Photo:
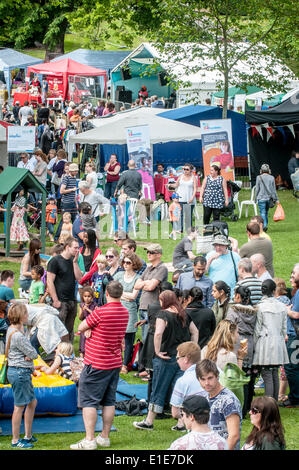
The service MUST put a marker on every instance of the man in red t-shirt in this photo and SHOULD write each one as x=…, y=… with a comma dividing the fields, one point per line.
x=104, y=329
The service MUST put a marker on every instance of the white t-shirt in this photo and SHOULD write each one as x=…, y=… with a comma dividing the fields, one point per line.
x=200, y=441
x=92, y=178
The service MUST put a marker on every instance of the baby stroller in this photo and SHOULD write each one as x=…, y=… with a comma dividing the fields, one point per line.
x=295, y=182
x=229, y=211
x=35, y=218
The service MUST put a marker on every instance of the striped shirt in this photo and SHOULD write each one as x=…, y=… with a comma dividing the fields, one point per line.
x=69, y=182
x=255, y=287
x=109, y=324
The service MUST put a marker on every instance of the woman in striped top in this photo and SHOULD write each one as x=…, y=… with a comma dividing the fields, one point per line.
x=68, y=190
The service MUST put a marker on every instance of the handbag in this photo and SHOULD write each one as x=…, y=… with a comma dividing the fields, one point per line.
x=271, y=199
x=4, y=367
x=279, y=213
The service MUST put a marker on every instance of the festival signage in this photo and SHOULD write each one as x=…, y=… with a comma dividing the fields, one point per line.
x=217, y=146
x=21, y=139
x=55, y=86
x=139, y=149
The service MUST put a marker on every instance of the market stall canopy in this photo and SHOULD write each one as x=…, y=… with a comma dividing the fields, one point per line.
x=65, y=68
x=105, y=60
x=287, y=112
x=11, y=59
x=113, y=130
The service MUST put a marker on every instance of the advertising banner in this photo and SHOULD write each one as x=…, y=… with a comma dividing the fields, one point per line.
x=55, y=86
x=21, y=139
x=217, y=146
x=139, y=149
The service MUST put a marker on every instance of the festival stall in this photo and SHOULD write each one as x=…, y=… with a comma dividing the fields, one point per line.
x=68, y=79
x=14, y=66
x=272, y=135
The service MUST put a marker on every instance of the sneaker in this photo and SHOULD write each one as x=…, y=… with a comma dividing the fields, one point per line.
x=179, y=428
x=32, y=439
x=21, y=444
x=103, y=441
x=143, y=425
x=84, y=445
x=259, y=384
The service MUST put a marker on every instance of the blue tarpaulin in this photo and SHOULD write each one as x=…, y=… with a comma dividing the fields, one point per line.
x=11, y=59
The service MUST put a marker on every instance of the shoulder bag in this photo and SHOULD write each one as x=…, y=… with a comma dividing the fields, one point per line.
x=4, y=367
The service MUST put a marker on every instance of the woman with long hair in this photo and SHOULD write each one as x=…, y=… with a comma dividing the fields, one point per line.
x=202, y=316
x=221, y=347
x=221, y=293
x=213, y=194
x=131, y=264
x=31, y=258
x=171, y=330
x=90, y=249
x=269, y=338
x=113, y=260
x=267, y=432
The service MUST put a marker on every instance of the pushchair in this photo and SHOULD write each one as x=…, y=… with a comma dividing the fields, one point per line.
x=35, y=218
x=295, y=182
x=229, y=211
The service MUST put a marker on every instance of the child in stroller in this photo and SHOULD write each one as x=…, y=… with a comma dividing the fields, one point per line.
x=228, y=211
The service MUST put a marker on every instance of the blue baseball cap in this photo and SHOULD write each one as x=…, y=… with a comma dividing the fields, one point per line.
x=175, y=196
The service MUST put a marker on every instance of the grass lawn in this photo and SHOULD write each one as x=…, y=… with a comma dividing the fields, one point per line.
x=285, y=244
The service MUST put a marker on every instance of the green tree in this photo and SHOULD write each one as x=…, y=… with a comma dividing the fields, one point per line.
x=231, y=38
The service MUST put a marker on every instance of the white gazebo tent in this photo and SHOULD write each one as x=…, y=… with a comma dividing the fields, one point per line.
x=112, y=130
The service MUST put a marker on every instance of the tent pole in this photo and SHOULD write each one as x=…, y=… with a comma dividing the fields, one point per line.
x=8, y=223
x=248, y=156
x=43, y=226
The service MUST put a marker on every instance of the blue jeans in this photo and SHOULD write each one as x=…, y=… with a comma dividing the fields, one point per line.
x=292, y=369
x=165, y=374
x=264, y=207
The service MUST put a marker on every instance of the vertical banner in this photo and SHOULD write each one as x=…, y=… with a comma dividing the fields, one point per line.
x=139, y=150
x=217, y=146
x=55, y=86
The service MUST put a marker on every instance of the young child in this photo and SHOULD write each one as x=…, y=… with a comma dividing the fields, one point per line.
x=175, y=215
x=87, y=305
x=100, y=280
x=51, y=215
x=63, y=355
x=37, y=287
x=18, y=229
x=65, y=364
x=88, y=220
x=67, y=225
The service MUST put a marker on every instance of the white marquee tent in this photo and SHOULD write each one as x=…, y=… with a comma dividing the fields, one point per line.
x=112, y=130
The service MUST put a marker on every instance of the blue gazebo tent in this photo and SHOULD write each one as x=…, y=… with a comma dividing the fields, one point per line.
x=193, y=114
x=11, y=59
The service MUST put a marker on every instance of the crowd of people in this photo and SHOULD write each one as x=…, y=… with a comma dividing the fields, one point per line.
x=193, y=330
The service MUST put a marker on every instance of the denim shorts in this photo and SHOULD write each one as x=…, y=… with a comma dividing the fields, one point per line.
x=165, y=374
x=21, y=384
x=97, y=387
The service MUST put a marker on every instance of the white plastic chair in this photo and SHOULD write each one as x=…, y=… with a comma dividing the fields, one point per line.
x=236, y=195
x=247, y=203
x=133, y=205
x=148, y=189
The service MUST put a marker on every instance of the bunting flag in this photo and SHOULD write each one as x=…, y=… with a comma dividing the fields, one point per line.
x=254, y=130
x=260, y=130
x=291, y=127
x=269, y=133
x=281, y=129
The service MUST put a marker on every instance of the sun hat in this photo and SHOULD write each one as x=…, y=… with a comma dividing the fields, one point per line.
x=265, y=168
x=220, y=240
x=73, y=167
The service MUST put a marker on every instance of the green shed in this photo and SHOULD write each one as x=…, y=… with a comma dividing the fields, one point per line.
x=10, y=179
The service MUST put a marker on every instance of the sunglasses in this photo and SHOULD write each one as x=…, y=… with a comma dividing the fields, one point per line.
x=254, y=411
x=152, y=253
x=127, y=262
x=179, y=357
x=186, y=169
x=109, y=256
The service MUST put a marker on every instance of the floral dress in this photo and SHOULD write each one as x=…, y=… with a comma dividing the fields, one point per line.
x=18, y=229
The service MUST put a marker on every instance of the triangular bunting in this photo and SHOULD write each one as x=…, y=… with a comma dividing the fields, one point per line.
x=291, y=127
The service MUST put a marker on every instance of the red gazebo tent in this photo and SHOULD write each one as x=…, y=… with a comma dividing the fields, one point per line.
x=64, y=68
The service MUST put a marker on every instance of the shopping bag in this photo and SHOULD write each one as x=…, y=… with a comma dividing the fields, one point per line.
x=279, y=213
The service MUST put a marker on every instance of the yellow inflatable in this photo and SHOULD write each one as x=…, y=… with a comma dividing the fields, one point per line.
x=55, y=395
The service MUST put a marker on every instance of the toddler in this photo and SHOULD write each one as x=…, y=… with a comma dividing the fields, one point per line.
x=37, y=287
x=63, y=355
x=175, y=215
x=67, y=225
x=88, y=220
x=100, y=280
x=51, y=216
x=87, y=305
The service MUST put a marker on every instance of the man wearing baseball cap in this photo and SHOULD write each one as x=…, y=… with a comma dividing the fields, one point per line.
x=222, y=262
x=149, y=282
x=195, y=412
